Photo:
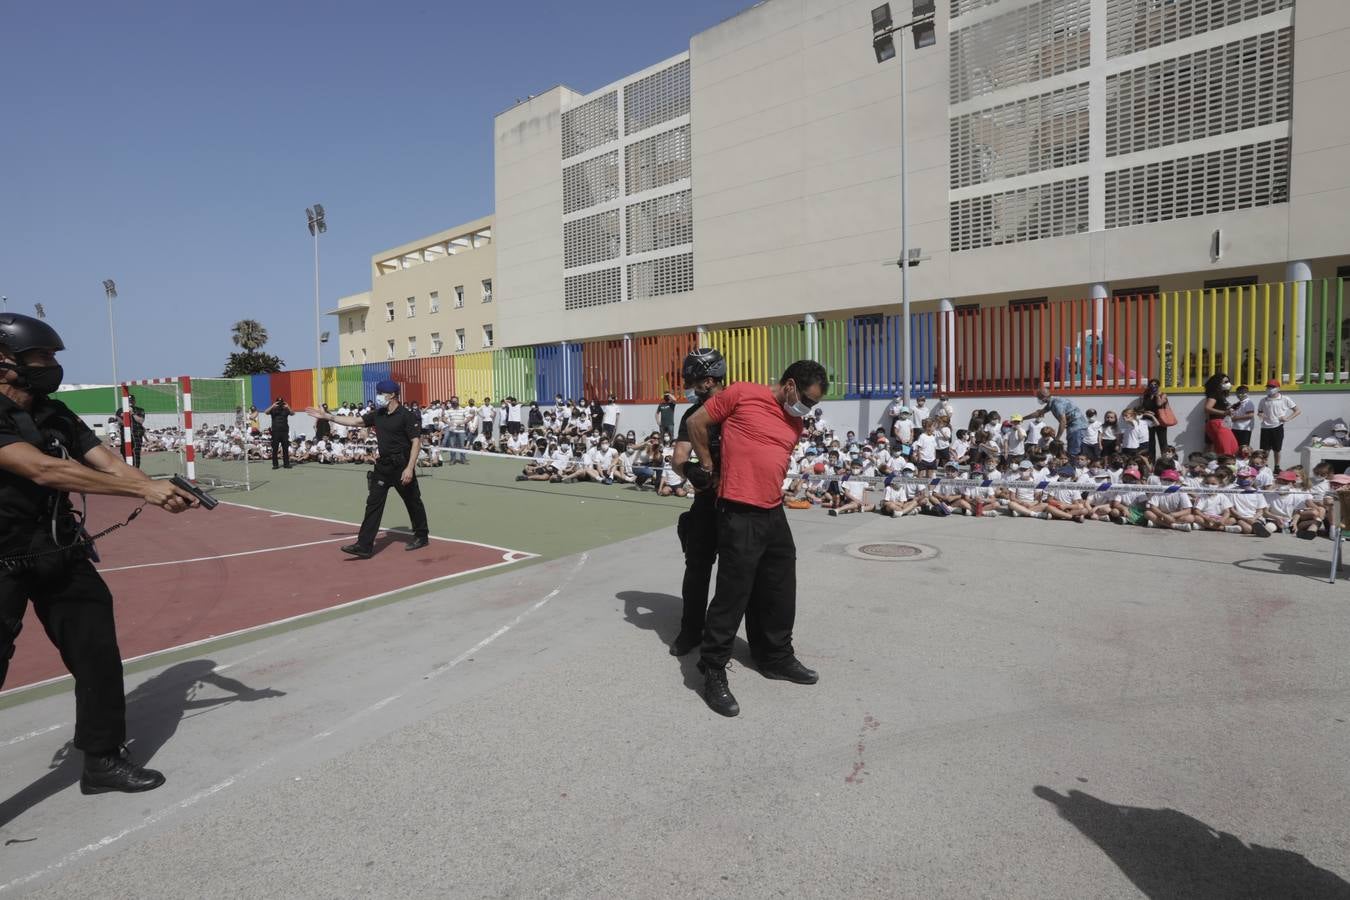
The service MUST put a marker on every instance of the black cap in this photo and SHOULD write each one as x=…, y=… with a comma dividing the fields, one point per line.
x=21, y=333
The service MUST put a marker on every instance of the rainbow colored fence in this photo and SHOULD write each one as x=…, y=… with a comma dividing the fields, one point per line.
x=1295, y=332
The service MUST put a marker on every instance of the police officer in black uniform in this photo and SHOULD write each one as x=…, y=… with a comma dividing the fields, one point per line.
x=398, y=435
x=137, y=430
x=705, y=373
x=46, y=451
x=281, y=430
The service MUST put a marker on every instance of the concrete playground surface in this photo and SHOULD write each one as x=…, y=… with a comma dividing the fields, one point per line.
x=1035, y=709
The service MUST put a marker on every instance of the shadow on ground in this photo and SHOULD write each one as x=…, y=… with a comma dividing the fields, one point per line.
x=1289, y=564
x=1168, y=854
x=154, y=711
x=660, y=613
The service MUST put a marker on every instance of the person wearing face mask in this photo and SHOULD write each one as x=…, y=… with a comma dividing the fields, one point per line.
x=281, y=431
x=46, y=453
x=705, y=375
x=398, y=438
x=757, y=558
x=454, y=420
x=1219, y=435
x=1273, y=411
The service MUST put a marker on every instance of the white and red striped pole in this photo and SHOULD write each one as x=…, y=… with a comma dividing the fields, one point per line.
x=189, y=449
x=126, y=427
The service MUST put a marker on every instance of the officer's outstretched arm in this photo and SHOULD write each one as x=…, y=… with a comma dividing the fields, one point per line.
x=27, y=461
x=105, y=460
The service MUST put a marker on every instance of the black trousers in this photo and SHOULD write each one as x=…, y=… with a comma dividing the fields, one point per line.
x=281, y=447
x=1244, y=438
x=381, y=479
x=136, y=444
x=76, y=610
x=1157, y=440
x=757, y=581
x=697, y=530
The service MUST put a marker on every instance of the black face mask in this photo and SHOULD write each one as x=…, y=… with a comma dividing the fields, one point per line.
x=41, y=380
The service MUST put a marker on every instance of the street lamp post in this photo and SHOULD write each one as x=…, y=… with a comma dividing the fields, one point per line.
x=883, y=43
x=317, y=226
x=110, y=288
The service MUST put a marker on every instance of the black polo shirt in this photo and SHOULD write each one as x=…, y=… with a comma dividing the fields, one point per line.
x=24, y=505
x=394, y=433
x=281, y=419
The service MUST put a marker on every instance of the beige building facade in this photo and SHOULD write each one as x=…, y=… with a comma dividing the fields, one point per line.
x=431, y=297
x=1056, y=148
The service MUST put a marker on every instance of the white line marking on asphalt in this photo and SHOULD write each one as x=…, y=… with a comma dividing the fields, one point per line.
x=32, y=734
x=177, y=562
x=153, y=818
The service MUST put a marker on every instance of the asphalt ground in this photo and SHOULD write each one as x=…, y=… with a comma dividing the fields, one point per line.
x=1039, y=709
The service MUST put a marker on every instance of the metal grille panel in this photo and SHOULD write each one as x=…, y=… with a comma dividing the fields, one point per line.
x=659, y=97
x=590, y=125
x=1029, y=214
x=591, y=239
x=660, y=277
x=1044, y=132
x=591, y=182
x=1244, y=84
x=657, y=161
x=1020, y=46
x=1206, y=183
x=592, y=289
x=965, y=6
x=1133, y=25
x=660, y=223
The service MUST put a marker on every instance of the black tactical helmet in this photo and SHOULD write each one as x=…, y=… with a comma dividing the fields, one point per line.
x=19, y=333
x=705, y=362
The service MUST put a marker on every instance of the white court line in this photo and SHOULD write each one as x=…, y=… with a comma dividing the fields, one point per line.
x=153, y=818
x=506, y=561
x=175, y=562
x=32, y=734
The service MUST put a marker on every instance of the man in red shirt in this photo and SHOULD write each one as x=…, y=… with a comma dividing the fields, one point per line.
x=757, y=559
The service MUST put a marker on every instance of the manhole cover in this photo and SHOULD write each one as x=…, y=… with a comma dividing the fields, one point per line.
x=891, y=551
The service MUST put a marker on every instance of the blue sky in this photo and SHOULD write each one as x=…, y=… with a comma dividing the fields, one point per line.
x=174, y=147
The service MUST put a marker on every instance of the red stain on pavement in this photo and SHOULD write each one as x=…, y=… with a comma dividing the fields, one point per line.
x=859, y=765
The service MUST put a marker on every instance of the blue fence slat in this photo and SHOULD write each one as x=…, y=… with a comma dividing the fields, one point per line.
x=262, y=390
x=371, y=374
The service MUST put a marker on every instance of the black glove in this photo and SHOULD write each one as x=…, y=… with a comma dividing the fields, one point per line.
x=698, y=476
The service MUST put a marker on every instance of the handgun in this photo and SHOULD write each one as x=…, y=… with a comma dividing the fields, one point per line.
x=202, y=497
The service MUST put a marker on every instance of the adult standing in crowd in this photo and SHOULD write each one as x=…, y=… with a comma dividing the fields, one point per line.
x=1072, y=423
x=453, y=424
x=514, y=413
x=665, y=414
x=281, y=430
x=757, y=558
x=487, y=418
x=609, y=420
x=323, y=429
x=1153, y=400
x=705, y=376
x=137, y=430
x=1242, y=414
x=1218, y=434
x=1274, y=410
x=398, y=439
x=46, y=452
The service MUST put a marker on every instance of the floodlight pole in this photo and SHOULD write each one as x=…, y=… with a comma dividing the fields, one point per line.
x=318, y=320
x=904, y=234
x=110, y=289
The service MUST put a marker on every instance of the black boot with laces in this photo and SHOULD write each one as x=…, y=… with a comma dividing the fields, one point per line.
x=116, y=772
x=716, y=693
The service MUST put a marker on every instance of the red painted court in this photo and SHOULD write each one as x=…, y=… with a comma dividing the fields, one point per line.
x=181, y=579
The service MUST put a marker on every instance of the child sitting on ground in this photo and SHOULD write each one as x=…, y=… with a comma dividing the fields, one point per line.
x=1249, y=504
x=1172, y=508
x=852, y=493
x=896, y=501
x=1292, y=507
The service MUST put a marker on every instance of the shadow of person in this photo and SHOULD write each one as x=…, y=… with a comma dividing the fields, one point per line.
x=1166, y=854
x=660, y=613
x=154, y=710
x=1289, y=564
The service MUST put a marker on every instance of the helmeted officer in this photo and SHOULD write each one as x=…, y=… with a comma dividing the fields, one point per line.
x=705, y=374
x=398, y=436
x=46, y=451
x=281, y=430
x=137, y=430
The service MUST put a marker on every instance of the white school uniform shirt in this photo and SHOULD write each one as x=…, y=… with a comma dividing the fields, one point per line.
x=1243, y=408
x=925, y=448
x=611, y=414
x=920, y=413
x=1286, y=504
x=1062, y=494
x=605, y=458
x=429, y=416
x=944, y=437
x=1320, y=489
x=1132, y=498
x=1247, y=505
x=854, y=489
x=897, y=493
x=1014, y=440
x=959, y=448
x=1110, y=432
x=1213, y=505
x=1177, y=501
x=1092, y=437
x=1264, y=478
x=513, y=413
x=1132, y=437
x=904, y=430
x=1272, y=410
x=561, y=461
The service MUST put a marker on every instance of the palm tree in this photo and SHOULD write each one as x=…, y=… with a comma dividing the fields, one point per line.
x=249, y=334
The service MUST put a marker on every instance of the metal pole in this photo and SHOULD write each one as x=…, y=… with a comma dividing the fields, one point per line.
x=904, y=232
x=318, y=341
x=112, y=337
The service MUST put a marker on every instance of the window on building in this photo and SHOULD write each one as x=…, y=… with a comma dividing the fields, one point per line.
x=1343, y=271
x=389, y=310
x=436, y=343
x=412, y=307
x=487, y=335
x=459, y=296
x=1239, y=281
x=487, y=290
x=351, y=324
x=389, y=352
x=412, y=346
x=1028, y=303
x=434, y=303
x=459, y=339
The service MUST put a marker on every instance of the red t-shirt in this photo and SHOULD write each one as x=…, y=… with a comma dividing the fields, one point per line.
x=757, y=441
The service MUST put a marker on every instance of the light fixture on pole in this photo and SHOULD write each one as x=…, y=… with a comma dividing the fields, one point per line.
x=110, y=288
x=317, y=226
x=41, y=313
x=924, y=31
